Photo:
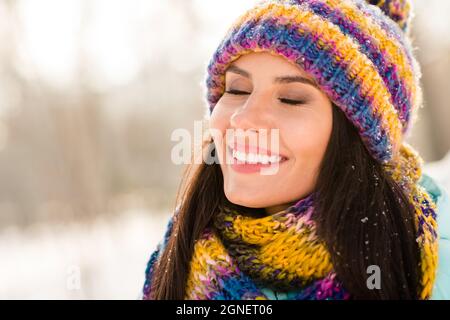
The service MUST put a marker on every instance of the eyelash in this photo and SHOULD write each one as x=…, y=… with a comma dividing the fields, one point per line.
x=287, y=101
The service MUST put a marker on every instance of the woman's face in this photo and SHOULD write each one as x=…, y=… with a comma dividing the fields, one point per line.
x=264, y=92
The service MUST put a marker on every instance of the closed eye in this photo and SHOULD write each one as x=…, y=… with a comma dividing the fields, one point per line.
x=283, y=100
x=236, y=92
x=292, y=102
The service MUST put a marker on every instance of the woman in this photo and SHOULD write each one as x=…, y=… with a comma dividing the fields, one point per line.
x=336, y=206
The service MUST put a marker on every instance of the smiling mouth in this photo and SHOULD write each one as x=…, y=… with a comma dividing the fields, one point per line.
x=240, y=157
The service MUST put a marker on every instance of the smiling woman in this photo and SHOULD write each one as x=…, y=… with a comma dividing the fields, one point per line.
x=345, y=215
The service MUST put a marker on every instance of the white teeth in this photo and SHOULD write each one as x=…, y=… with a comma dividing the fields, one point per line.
x=265, y=159
x=255, y=158
x=239, y=155
x=251, y=158
x=274, y=158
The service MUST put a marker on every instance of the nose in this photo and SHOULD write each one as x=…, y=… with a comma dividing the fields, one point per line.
x=253, y=114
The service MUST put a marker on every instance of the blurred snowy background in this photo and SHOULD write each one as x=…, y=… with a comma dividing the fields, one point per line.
x=90, y=91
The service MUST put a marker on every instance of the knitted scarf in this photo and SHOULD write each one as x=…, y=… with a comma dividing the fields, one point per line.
x=240, y=254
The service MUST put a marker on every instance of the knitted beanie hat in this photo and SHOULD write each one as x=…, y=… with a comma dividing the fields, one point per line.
x=359, y=53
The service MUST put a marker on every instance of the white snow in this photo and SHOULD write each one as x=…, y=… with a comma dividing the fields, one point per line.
x=103, y=260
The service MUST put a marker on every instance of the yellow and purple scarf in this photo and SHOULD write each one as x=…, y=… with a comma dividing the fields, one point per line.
x=241, y=254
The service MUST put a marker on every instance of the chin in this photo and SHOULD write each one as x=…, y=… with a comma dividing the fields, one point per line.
x=244, y=198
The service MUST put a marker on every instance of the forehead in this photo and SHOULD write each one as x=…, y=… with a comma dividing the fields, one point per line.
x=271, y=68
x=268, y=64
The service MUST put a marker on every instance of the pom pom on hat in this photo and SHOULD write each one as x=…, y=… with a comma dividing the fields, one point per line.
x=398, y=10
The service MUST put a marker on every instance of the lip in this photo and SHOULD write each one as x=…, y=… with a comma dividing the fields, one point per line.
x=240, y=167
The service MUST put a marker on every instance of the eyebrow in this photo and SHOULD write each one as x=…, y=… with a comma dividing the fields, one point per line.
x=280, y=80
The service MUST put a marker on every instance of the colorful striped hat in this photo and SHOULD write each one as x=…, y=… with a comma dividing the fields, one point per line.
x=359, y=52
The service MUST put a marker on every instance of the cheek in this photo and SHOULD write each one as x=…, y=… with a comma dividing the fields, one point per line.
x=218, y=124
x=308, y=138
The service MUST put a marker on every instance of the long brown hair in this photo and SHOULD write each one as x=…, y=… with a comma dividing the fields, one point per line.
x=362, y=215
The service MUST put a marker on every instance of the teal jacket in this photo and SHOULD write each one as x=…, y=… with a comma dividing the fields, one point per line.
x=441, y=290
